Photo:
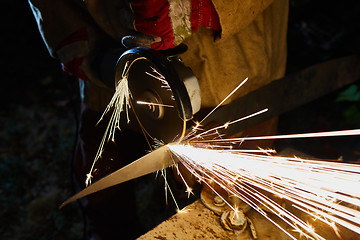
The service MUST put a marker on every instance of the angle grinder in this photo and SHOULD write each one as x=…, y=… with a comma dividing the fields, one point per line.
x=164, y=92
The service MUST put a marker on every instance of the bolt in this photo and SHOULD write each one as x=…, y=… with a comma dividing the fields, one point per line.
x=231, y=220
x=218, y=201
x=236, y=219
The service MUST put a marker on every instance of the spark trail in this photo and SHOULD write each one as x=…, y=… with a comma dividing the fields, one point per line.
x=120, y=102
x=328, y=191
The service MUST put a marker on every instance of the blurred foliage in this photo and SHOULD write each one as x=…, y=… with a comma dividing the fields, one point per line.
x=351, y=111
x=351, y=94
x=37, y=138
x=322, y=30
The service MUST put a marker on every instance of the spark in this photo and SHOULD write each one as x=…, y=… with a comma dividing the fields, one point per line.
x=157, y=75
x=328, y=191
x=154, y=104
x=340, y=133
x=224, y=100
x=167, y=188
x=188, y=188
x=120, y=102
x=227, y=124
x=88, y=179
x=184, y=210
x=189, y=191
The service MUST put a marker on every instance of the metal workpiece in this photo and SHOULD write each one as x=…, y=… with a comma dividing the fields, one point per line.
x=213, y=201
x=198, y=222
x=152, y=162
x=223, y=206
x=221, y=201
x=218, y=201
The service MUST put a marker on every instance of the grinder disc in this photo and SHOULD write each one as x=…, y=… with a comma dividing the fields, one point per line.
x=160, y=100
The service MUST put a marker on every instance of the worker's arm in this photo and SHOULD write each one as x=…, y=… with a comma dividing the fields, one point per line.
x=57, y=20
x=241, y=12
x=174, y=21
x=171, y=22
x=69, y=34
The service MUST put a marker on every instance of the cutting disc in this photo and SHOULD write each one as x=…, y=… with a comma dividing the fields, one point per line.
x=160, y=98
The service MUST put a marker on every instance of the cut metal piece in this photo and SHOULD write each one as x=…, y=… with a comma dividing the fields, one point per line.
x=152, y=162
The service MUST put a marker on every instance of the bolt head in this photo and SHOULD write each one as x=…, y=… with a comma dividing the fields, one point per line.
x=231, y=220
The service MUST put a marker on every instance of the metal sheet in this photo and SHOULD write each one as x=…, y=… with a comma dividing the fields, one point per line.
x=156, y=160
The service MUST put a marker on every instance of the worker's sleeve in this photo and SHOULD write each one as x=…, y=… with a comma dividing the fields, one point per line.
x=235, y=15
x=57, y=20
x=69, y=34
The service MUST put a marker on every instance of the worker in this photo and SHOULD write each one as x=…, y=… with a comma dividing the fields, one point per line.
x=227, y=42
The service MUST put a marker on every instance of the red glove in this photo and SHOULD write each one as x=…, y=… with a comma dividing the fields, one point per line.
x=72, y=53
x=172, y=21
x=203, y=14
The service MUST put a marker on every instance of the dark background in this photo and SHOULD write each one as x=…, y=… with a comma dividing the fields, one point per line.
x=38, y=102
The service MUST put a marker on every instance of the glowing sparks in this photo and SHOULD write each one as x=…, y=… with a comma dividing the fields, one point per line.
x=326, y=190
x=120, y=102
x=224, y=100
x=88, y=179
x=167, y=188
x=184, y=210
x=153, y=104
x=225, y=126
x=157, y=75
x=341, y=133
x=189, y=191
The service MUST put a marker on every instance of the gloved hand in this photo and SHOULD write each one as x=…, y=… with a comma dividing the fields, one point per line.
x=170, y=22
x=78, y=52
x=72, y=52
x=82, y=55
